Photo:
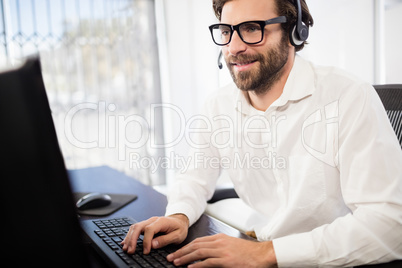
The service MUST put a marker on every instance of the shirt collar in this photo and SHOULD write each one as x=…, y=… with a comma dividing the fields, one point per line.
x=299, y=85
x=242, y=103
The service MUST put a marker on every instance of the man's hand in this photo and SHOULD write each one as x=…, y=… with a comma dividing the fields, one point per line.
x=174, y=229
x=225, y=251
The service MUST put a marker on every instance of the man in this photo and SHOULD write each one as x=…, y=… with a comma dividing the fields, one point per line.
x=332, y=189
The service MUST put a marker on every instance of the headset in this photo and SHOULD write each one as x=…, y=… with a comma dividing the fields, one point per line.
x=297, y=35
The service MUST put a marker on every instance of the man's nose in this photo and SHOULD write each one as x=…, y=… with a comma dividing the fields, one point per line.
x=236, y=45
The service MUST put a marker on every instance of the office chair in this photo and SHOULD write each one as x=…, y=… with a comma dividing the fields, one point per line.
x=391, y=97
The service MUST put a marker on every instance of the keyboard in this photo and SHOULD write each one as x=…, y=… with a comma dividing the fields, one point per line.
x=113, y=231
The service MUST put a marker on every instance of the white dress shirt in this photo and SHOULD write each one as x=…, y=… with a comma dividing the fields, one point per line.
x=322, y=164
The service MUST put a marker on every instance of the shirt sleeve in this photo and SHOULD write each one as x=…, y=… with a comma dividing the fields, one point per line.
x=196, y=184
x=370, y=168
x=192, y=190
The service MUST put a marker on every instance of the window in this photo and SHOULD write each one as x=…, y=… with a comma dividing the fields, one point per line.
x=101, y=70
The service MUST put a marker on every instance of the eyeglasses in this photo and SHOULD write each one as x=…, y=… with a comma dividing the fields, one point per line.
x=250, y=32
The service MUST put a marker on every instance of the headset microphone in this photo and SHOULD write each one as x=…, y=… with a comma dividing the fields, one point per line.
x=219, y=60
x=299, y=34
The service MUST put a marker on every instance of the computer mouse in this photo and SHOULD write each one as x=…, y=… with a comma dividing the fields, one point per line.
x=93, y=200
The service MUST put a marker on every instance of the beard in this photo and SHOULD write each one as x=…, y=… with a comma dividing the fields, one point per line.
x=271, y=68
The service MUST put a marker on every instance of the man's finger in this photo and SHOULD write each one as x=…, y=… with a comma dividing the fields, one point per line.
x=175, y=237
x=130, y=241
x=149, y=233
x=189, y=255
x=197, y=248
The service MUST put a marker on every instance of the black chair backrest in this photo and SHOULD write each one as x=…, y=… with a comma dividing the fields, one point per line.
x=391, y=97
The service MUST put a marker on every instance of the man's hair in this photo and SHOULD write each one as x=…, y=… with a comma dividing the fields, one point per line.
x=283, y=8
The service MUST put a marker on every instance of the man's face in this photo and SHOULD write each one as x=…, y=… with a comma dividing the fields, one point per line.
x=254, y=67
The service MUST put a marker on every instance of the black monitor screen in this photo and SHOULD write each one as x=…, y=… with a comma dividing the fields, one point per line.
x=38, y=214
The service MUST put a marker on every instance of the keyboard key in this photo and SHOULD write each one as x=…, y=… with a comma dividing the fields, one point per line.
x=117, y=239
x=125, y=258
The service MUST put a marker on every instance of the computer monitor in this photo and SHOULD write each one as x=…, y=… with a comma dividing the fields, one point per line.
x=39, y=221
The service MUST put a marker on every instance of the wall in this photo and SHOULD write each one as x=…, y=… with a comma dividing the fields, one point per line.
x=393, y=41
x=342, y=36
x=191, y=64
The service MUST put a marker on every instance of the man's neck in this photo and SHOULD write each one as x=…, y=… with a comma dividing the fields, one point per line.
x=262, y=102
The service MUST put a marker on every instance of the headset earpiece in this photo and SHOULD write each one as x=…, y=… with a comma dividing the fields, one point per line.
x=298, y=37
x=299, y=33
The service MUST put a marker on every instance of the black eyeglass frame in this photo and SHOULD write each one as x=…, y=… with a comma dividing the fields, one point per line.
x=262, y=23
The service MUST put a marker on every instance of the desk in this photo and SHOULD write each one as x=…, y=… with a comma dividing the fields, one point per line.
x=107, y=180
x=149, y=203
